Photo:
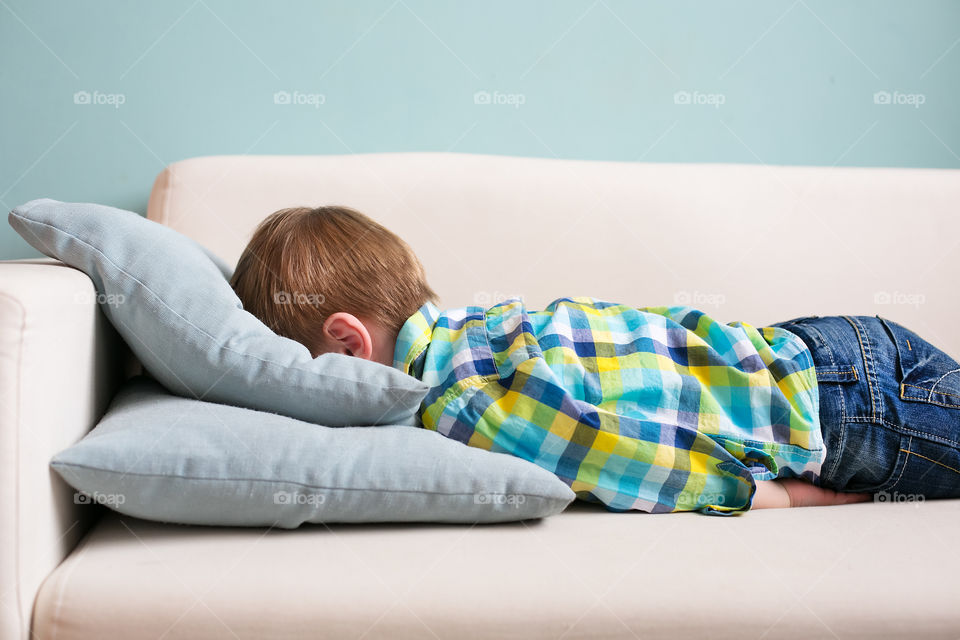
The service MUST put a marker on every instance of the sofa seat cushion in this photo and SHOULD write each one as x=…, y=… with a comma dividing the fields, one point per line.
x=861, y=570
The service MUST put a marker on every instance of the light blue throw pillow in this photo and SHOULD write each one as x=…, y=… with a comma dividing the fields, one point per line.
x=176, y=310
x=161, y=457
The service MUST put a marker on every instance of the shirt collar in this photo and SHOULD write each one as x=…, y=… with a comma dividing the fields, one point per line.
x=413, y=340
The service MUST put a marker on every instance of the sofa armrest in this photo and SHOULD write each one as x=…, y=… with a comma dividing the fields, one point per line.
x=60, y=364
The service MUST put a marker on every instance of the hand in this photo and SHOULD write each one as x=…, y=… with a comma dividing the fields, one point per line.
x=794, y=492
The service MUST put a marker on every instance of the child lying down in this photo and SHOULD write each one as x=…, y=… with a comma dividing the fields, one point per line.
x=657, y=409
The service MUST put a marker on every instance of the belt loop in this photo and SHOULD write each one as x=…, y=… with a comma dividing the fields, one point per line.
x=830, y=373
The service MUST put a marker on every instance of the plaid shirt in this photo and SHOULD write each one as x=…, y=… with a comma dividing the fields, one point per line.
x=655, y=409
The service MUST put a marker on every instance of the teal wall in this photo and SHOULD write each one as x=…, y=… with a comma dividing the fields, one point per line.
x=597, y=80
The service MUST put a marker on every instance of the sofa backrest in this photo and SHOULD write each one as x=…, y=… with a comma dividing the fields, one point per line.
x=742, y=242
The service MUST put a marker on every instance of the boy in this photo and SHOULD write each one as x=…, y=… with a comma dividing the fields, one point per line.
x=655, y=409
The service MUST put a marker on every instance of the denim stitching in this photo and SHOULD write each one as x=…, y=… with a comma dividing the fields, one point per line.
x=929, y=390
x=930, y=459
x=942, y=393
x=907, y=431
x=930, y=396
x=824, y=347
x=851, y=369
x=873, y=385
x=840, y=392
x=928, y=400
x=903, y=468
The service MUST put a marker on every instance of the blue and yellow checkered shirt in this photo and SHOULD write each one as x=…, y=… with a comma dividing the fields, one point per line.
x=655, y=409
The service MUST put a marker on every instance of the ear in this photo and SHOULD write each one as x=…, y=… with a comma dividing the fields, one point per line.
x=348, y=335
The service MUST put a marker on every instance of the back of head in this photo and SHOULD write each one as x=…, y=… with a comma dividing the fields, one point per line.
x=303, y=264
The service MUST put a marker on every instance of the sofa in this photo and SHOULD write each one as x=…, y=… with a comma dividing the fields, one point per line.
x=744, y=242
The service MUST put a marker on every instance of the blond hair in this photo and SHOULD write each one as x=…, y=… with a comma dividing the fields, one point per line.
x=303, y=264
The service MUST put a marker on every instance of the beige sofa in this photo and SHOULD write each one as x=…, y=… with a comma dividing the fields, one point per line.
x=752, y=243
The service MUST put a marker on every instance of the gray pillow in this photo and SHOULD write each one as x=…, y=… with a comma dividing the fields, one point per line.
x=175, y=308
x=162, y=457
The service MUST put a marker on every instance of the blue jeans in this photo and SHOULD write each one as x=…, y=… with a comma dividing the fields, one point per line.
x=889, y=408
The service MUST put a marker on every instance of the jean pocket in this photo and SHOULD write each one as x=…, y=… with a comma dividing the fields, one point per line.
x=926, y=374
